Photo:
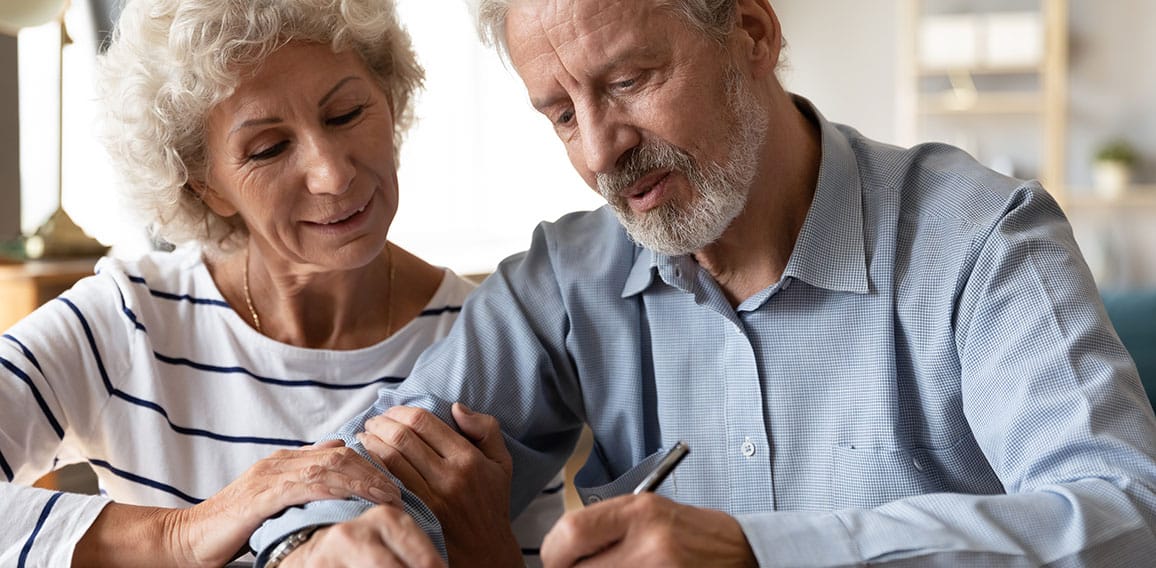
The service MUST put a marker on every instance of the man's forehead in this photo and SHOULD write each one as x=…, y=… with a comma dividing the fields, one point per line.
x=568, y=19
x=594, y=28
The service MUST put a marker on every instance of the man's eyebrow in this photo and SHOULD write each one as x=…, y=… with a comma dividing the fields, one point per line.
x=541, y=104
x=618, y=60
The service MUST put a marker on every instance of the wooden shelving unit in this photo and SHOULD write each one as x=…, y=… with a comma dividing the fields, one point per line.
x=963, y=92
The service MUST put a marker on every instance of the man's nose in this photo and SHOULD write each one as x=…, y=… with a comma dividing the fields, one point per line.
x=606, y=137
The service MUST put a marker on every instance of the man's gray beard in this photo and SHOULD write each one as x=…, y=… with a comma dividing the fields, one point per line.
x=721, y=190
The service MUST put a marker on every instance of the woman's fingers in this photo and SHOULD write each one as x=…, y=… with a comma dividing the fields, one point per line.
x=219, y=526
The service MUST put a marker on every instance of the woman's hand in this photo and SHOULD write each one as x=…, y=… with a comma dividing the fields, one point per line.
x=217, y=530
x=465, y=482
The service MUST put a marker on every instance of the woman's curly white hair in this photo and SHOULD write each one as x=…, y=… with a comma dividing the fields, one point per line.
x=171, y=61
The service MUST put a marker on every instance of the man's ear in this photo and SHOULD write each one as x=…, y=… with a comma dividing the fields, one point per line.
x=760, y=35
x=216, y=203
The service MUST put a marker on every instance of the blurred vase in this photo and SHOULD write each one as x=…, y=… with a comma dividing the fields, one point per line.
x=1111, y=178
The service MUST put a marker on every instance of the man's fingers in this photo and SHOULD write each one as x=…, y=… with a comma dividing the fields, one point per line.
x=439, y=436
x=399, y=464
x=585, y=533
x=485, y=432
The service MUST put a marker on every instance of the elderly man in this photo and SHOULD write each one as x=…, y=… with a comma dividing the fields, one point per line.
x=876, y=355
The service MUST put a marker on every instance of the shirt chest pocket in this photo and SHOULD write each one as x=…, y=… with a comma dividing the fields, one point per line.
x=865, y=478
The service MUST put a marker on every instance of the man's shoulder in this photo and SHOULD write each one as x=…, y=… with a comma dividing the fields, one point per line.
x=936, y=181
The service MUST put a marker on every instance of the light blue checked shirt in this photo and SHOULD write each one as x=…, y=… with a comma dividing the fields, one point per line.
x=932, y=382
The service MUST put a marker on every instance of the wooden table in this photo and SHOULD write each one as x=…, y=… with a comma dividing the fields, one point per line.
x=25, y=285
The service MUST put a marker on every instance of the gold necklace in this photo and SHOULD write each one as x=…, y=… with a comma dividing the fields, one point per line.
x=249, y=298
x=388, y=293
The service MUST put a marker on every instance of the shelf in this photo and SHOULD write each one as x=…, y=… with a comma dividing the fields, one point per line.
x=980, y=70
x=981, y=103
x=1138, y=196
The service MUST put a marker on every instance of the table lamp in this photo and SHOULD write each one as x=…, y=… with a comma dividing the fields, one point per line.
x=59, y=236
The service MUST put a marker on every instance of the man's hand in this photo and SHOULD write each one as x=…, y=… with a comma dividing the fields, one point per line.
x=646, y=530
x=465, y=481
x=383, y=536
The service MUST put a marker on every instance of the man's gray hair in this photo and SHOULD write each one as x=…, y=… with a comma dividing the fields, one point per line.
x=711, y=17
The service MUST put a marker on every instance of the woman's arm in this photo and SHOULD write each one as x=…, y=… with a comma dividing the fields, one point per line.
x=215, y=531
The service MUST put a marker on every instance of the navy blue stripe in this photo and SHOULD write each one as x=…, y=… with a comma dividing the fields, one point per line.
x=270, y=380
x=91, y=344
x=206, y=433
x=114, y=392
x=440, y=311
x=128, y=312
x=35, y=393
x=179, y=297
x=553, y=490
x=35, y=531
x=7, y=469
x=27, y=352
x=147, y=482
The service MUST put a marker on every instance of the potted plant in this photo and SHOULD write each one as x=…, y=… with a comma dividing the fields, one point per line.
x=1112, y=171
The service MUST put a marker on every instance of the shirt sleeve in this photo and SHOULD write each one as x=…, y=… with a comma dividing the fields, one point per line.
x=1054, y=402
x=51, y=368
x=514, y=321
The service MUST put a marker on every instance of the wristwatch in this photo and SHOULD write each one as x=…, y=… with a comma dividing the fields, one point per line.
x=289, y=544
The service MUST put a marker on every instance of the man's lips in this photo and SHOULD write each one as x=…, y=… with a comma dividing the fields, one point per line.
x=648, y=192
x=644, y=184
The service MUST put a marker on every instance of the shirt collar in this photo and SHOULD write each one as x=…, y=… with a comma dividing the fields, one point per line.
x=829, y=252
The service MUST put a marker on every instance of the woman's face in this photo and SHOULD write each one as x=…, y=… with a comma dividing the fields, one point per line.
x=303, y=152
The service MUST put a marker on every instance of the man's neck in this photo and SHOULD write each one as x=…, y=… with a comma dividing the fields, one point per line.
x=753, y=252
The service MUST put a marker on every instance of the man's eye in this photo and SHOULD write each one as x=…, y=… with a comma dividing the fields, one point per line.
x=564, y=118
x=270, y=152
x=345, y=118
x=623, y=85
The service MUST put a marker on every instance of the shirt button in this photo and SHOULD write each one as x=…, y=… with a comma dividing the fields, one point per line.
x=593, y=499
x=748, y=448
x=918, y=463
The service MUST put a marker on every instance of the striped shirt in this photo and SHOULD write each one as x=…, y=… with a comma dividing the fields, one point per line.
x=932, y=382
x=146, y=373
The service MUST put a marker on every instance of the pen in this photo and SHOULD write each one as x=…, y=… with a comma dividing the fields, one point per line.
x=663, y=469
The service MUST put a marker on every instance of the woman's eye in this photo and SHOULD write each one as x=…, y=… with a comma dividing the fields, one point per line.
x=270, y=152
x=564, y=118
x=345, y=118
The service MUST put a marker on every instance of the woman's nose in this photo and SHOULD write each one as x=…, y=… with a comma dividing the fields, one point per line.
x=329, y=166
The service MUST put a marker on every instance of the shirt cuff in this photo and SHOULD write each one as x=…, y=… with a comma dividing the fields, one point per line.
x=799, y=539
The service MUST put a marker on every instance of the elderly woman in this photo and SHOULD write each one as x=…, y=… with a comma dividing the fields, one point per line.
x=261, y=136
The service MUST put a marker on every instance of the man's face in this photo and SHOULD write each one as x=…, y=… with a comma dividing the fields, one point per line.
x=654, y=115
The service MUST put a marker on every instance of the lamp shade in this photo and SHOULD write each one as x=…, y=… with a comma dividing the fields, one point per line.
x=18, y=14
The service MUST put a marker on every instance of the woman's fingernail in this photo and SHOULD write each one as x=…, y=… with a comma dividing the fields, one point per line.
x=465, y=409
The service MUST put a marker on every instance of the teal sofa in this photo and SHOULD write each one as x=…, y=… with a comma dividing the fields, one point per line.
x=1133, y=314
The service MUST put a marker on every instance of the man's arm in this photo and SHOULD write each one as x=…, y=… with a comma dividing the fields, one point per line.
x=1053, y=401
x=505, y=357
